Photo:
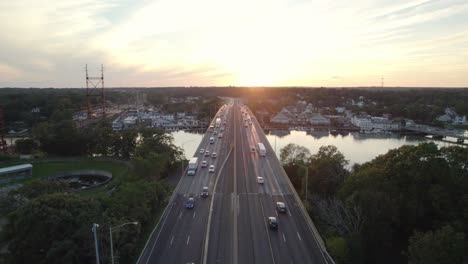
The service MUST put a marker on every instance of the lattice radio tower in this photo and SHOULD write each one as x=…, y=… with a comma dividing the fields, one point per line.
x=93, y=85
x=3, y=144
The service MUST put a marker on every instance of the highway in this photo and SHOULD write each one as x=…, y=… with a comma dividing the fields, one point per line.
x=230, y=225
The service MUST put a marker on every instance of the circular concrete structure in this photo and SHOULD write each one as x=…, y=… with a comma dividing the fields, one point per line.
x=83, y=179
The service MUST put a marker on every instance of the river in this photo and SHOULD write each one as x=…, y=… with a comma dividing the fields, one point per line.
x=356, y=147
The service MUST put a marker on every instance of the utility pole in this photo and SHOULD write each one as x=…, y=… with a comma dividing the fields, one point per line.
x=94, y=229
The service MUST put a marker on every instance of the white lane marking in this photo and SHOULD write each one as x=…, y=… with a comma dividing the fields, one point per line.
x=299, y=236
x=172, y=239
x=289, y=213
x=180, y=215
x=276, y=212
x=194, y=213
x=284, y=238
x=238, y=206
x=188, y=239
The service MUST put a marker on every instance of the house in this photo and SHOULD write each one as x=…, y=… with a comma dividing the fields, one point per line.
x=281, y=118
x=318, y=119
x=340, y=109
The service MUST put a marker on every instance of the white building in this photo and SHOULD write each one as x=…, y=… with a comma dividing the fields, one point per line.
x=281, y=118
x=375, y=123
x=318, y=119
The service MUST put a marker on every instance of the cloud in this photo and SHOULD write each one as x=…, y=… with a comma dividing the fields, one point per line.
x=221, y=42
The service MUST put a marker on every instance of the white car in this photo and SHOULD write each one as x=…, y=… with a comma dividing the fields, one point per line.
x=220, y=135
x=211, y=169
x=202, y=151
x=204, y=164
x=260, y=180
x=207, y=153
x=213, y=155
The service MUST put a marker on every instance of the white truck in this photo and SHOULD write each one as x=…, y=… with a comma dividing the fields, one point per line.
x=218, y=122
x=192, y=166
x=261, y=149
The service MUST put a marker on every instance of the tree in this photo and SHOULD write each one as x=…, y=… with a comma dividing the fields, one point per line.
x=327, y=171
x=407, y=189
x=294, y=154
x=53, y=228
x=25, y=146
x=338, y=248
x=444, y=246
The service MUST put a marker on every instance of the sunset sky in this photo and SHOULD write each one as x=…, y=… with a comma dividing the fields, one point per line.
x=238, y=42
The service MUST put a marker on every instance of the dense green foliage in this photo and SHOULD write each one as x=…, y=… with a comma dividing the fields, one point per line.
x=25, y=146
x=409, y=204
x=63, y=232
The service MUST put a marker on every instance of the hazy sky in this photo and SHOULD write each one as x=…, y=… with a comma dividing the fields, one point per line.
x=236, y=42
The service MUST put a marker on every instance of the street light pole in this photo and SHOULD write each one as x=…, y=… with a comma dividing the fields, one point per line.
x=94, y=229
x=307, y=182
x=111, y=244
x=110, y=234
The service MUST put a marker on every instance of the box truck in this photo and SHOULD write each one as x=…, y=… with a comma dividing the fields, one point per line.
x=261, y=149
x=192, y=166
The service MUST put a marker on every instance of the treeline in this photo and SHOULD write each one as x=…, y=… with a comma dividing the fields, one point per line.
x=422, y=105
x=406, y=206
x=47, y=224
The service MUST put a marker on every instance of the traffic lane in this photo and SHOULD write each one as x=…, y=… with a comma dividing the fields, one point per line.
x=282, y=252
x=162, y=233
x=291, y=233
x=170, y=233
x=196, y=234
x=221, y=233
x=254, y=244
x=185, y=233
x=246, y=171
x=306, y=236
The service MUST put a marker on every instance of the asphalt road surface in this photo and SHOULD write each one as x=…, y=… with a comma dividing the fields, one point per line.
x=230, y=225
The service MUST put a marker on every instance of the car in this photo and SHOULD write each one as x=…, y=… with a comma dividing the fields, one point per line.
x=220, y=135
x=204, y=164
x=207, y=153
x=204, y=192
x=211, y=169
x=272, y=223
x=281, y=207
x=190, y=203
x=245, y=125
x=215, y=132
x=202, y=151
x=213, y=155
x=260, y=180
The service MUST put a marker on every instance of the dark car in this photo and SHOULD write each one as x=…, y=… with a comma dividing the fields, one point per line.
x=272, y=222
x=204, y=192
x=281, y=207
x=190, y=203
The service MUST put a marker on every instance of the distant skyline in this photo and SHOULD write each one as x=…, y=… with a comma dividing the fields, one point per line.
x=417, y=43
